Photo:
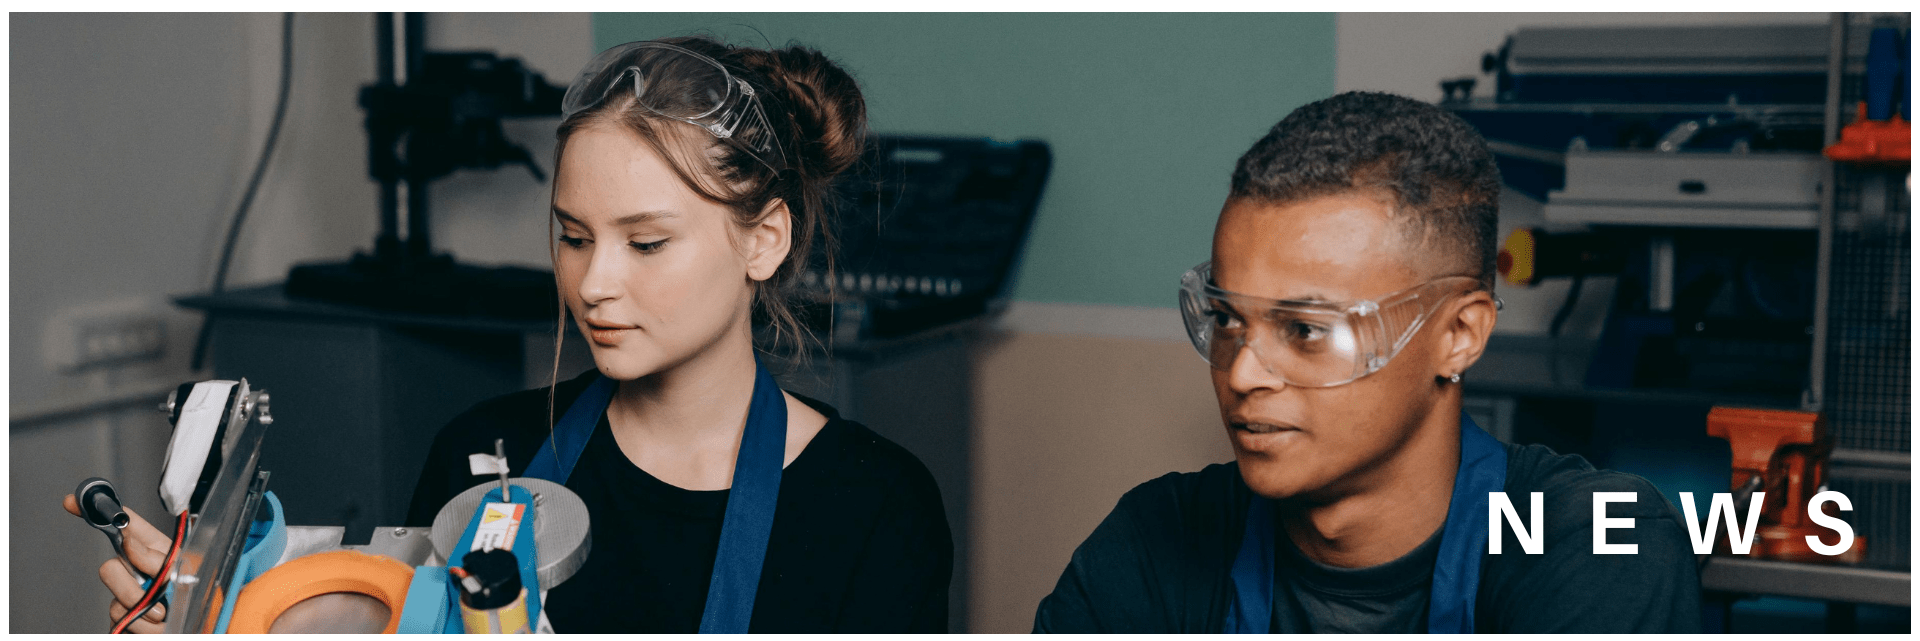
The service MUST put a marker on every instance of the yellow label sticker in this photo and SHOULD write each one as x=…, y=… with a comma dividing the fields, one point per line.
x=499, y=524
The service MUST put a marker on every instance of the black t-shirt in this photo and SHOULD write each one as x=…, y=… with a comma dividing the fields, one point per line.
x=859, y=544
x=1160, y=563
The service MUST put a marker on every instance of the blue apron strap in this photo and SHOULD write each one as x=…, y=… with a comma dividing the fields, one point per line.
x=1251, y=610
x=556, y=457
x=1456, y=570
x=1463, y=542
x=748, y=522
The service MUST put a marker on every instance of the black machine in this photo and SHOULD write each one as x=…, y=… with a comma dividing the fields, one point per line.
x=930, y=232
x=445, y=117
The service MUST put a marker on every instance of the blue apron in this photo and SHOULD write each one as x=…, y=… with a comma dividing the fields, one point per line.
x=748, y=521
x=1456, y=572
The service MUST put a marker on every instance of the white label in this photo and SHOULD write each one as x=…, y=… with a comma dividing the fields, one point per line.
x=499, y=523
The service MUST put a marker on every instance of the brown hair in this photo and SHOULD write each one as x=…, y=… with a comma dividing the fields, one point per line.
x=819, y=119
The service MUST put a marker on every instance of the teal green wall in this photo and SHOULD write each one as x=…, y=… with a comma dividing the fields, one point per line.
x=1146, y=114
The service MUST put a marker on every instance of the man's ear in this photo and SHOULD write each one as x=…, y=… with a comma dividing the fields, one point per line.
x=1465, y=331
x=768, y=242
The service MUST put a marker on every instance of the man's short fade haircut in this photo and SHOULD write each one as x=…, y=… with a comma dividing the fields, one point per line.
x=1436, y=168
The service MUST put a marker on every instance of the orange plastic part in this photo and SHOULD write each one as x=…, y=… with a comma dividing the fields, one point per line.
x=1887, y=141
x=267, y=597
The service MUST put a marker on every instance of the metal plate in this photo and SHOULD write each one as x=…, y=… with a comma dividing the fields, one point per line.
x=1808, y=581
x=561, y=527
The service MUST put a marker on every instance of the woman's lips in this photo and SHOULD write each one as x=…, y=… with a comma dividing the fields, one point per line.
x=607, y=335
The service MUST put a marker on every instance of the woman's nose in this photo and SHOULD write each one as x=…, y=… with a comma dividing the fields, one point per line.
x=603, y=279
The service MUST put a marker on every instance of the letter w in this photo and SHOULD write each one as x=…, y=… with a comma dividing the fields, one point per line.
x=1722, y=501
x=1497, y=504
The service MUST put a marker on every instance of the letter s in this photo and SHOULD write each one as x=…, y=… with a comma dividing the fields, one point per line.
x=1820, y=517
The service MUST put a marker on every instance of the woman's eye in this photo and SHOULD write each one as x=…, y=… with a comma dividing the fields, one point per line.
x=648, y=248
x=573, y=242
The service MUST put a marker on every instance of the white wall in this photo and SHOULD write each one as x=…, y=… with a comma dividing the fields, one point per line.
x=132, y=140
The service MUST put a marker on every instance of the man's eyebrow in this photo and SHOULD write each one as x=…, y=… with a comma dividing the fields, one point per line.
x=1311, y=298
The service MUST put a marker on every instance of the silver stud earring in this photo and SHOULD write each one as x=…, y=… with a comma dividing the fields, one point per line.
x=1455, y=378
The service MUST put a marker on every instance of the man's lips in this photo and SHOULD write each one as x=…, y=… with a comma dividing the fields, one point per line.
x=1256, y=425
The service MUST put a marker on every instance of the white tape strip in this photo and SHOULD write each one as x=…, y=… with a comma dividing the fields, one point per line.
x=200, y=417
x=486, y=464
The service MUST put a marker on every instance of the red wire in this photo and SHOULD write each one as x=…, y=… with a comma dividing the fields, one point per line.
x=160, y=581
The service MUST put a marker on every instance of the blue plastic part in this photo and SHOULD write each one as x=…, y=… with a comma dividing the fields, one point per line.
x=426, y=610
x=266, y=541
x=524, y=550
x=1883, y=72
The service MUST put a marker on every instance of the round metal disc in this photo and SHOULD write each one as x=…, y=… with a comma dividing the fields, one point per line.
x=561, y=530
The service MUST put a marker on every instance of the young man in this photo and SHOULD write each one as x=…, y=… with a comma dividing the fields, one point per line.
x=1350, y=287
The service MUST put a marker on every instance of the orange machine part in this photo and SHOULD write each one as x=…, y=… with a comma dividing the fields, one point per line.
x=267, y=597
x=1887, y=141
x=1788, y=451
x=1758, y=436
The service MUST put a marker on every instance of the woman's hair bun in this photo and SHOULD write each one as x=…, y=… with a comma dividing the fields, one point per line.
x=829, y=116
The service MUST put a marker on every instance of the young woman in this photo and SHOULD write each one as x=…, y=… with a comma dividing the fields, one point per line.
x=691, y=179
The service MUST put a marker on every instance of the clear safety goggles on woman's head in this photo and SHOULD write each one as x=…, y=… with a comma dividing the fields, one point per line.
x=678, y=83
x=1308, y=344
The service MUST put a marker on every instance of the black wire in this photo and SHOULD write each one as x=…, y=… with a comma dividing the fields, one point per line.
x=1566, y=307
x=253, y=184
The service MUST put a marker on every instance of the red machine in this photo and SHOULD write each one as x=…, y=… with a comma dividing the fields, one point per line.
x=1784, y=454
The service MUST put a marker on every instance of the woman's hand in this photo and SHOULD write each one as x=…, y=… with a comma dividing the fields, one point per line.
x=147, y=547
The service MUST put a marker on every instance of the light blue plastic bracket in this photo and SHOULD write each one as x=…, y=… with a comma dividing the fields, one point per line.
x=523, y=551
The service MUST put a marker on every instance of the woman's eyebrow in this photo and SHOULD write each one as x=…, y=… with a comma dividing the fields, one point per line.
x=642, y=217
x=629, y=219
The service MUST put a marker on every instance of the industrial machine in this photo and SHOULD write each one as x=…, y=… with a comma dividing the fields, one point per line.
x=236, y=566
x=1685, y=163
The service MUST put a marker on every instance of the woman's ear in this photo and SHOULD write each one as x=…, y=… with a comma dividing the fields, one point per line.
x=769, y=241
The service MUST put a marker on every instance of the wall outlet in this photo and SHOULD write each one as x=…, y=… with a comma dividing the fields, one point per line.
x=105, y=335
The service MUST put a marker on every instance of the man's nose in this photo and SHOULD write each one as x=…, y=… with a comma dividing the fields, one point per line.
x=1248, y=373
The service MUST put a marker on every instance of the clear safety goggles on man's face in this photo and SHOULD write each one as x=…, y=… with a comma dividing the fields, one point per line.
x=1308, y=344
x=677, y=83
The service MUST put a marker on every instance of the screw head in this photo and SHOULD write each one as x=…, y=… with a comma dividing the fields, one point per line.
x=399, y=532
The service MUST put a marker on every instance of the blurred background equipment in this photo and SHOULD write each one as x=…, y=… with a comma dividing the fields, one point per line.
x=429, y=114
x=1752, y=293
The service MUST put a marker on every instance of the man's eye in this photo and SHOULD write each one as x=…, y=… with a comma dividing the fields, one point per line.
x=1222, y=319
x=1306, y=332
